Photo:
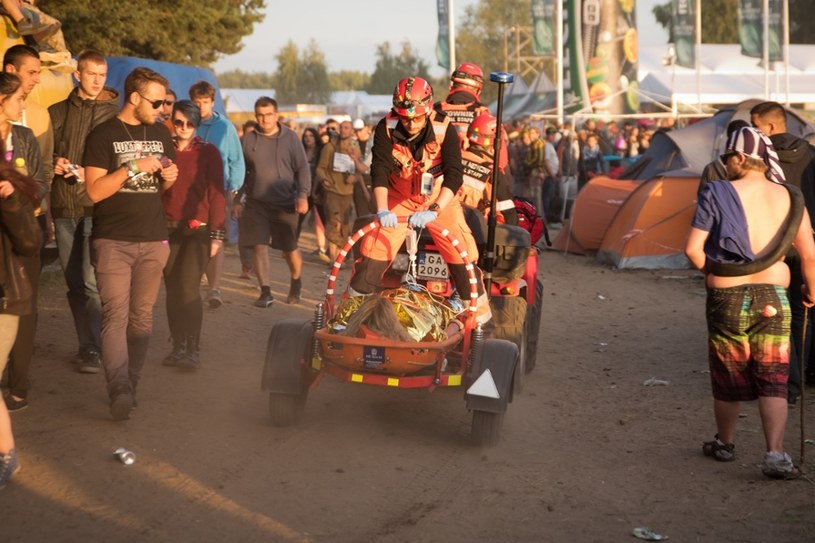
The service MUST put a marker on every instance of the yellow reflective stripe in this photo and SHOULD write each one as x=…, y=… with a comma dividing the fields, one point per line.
x=454, y=381
x=393, y=382
x=315, y=363
x=356, y=377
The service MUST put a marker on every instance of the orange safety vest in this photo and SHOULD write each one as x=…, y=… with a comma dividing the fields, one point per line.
x=461, y=115
x=476, y=190
x=407, y=180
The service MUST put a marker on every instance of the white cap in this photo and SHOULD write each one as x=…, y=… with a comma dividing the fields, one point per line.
x=358, y=124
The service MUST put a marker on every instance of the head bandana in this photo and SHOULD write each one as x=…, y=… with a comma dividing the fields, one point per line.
x=751, y=142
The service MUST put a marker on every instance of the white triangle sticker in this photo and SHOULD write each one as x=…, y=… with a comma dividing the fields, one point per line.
x=484, y=386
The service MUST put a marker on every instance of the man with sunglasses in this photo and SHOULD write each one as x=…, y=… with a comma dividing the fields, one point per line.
x=128, y=161
x=90, y=104
x=416, y=172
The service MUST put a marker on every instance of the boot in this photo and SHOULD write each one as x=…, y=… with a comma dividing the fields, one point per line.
x=177, y=354
x=294, y=291
x=192, y=358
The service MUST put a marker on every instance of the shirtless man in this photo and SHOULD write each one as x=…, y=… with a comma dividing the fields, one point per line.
x=748, y=315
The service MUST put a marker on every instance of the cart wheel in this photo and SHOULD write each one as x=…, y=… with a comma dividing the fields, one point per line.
x=286, y=409
x=509, y=316
x=533, y=321
x=486, y=431
x=285, y=373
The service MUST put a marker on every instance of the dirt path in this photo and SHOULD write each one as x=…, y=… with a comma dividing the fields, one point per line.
x=588, y=452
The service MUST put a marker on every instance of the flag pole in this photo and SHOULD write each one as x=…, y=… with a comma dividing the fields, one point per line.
x=765, y=46
x=698, y=55
x=559, y=60
x=451, y=34
x=786, y=22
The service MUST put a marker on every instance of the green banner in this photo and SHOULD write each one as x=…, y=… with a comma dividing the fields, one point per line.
x=751, y=29
x=543, y=24
x=443, y=41
x=684, y=25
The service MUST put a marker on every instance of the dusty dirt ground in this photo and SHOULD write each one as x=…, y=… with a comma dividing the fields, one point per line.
x=588, y=452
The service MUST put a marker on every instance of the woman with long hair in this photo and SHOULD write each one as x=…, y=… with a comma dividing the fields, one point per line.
x=195, y=208
x=22, y=153
x=313, y=146
x=20, y=238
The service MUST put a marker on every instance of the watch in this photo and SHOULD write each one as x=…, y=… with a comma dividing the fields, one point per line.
x=434, y=207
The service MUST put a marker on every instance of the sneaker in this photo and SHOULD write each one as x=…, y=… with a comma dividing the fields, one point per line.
x=89, y=363
x=178, y=352
x=779, y=466
x=13, y=404
x=719, y=450
x=121, y=404
x=323, y=256
x=294, y=291
x=8, y=467
x=266, y=299
x=214, y=299
x=246, y=272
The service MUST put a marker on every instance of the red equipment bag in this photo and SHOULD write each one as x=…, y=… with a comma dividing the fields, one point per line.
x=529, y=220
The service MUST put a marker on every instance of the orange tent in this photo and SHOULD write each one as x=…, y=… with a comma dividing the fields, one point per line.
x=592, y=213
x=649, y=231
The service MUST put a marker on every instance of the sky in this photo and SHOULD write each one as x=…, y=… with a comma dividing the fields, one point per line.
x=348, y=33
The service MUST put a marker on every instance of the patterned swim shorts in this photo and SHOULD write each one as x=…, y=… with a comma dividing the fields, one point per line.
x=748, y=341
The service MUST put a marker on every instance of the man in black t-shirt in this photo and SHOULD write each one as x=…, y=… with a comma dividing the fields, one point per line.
x=128, y=161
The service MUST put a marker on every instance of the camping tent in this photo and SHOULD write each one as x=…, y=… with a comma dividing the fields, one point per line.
x=592, y=212
x=648, y=227
x=539, y=96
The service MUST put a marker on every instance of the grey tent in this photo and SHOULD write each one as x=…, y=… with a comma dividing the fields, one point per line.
x=539, y=96
x=514, y=94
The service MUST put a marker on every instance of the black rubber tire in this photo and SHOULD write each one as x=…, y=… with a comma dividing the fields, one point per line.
x=291, y=344
x=486, y=430
x=509, y=322
x=533, y=322
x=286, y=409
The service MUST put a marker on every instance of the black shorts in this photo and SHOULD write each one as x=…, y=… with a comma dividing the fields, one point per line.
x=262, y=224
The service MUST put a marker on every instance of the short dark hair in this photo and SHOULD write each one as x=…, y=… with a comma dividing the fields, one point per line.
x=17, y=53
x=202, y=89
x=190, y=110
x=734, y=125
x=140, y=77
x=770, y=110
x=89, y=55
x=265, y=101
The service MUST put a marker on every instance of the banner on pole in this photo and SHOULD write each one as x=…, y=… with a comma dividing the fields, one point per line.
x=684, y=25
x=751, y=29
x=543, y=25
x=443, y=41
x=607, y=77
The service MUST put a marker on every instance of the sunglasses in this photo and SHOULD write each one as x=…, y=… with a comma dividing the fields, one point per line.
x=418, y=119
x=726, y=156
x=155, y=103
x=179, y=123
x=168, y=102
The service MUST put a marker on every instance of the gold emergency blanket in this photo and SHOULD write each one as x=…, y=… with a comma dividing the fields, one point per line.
x=422, y=315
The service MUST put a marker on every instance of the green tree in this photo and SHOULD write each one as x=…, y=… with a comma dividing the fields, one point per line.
x=349, y=80
x=287, y=74
x=301, y=79
x=238, y=79
x=391, y=68
x=481, y=34
x=194, y=32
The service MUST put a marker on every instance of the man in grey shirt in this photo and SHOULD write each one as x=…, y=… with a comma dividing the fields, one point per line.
x=278, y=182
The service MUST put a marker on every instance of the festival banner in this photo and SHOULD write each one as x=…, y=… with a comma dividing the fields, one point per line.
x=684, y=25
x=443, y=41
x=543, y=24
x=604, y=71
x=751, y=29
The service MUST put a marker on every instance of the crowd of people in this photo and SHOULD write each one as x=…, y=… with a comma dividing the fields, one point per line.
x=156, y=187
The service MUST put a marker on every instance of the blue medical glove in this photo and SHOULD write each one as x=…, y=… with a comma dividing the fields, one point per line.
x=387, y=218
x=421, y=218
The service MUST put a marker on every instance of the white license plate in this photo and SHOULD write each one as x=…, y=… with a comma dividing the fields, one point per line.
x=431, y=266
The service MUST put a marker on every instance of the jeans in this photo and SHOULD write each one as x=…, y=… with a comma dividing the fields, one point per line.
x=129, y=276
x=73, y=242
x=189, y=254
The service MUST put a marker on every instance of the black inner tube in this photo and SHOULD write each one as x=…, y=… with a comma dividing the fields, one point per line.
x=762, y=263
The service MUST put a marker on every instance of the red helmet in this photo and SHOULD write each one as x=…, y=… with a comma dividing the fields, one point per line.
x=482, y=130
x=469, y=74
x=412, y=96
